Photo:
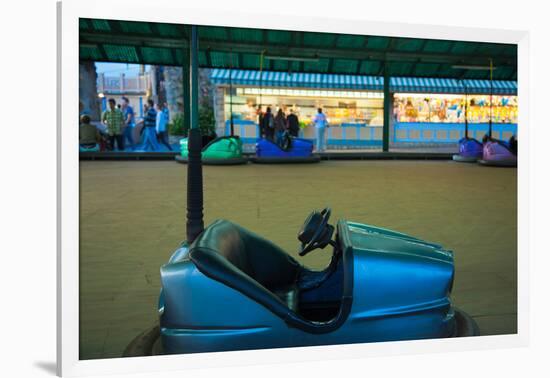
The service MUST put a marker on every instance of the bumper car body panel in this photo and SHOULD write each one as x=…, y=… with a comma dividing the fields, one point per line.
x=400, y=291
x=498, y=153
x=220, y=151
x=300, y=151
x=469, y=151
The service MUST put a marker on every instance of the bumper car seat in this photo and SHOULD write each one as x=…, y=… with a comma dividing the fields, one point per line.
x=248, y=263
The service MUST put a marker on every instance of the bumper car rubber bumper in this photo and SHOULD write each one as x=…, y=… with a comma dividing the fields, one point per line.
x=465, y=159
x=286, y=160
x=148, y=342
x=207, y=161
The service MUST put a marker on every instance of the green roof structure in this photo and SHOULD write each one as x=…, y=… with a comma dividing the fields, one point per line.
x=294, y=51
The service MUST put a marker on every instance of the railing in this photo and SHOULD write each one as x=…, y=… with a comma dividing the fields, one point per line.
x=349, y=136
x=419, y=132
x=121, y=84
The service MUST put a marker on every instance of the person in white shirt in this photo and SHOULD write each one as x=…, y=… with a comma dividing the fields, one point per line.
x=321, y=123
x=162, y=126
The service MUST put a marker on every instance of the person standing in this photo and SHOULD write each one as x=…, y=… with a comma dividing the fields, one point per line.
x=129, y=122
x=321, y=124
x=268, y=124
x=166, y=112
x=280, y=126
x=114, y=121
x=293, y=124
x=162, y=126
x=261, y=125
x=150, y=128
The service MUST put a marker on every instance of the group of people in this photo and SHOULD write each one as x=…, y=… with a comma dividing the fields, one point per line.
x=155, y=126
x=119, y=122
x=274, y=127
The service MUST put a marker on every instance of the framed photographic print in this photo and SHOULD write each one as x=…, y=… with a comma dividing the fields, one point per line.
x=238, y=187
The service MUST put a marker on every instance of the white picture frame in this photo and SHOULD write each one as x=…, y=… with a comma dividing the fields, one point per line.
x=69, y=12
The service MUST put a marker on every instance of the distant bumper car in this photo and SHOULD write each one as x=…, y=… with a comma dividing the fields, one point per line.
x=93, y=147
x=469, y=150
x=499, y=153
x=227, y=150
x=291, y=150
x=380, y=285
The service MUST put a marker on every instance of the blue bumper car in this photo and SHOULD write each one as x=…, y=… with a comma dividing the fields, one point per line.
x=291, y=150
x=380, y=285
x=499, y=153
x=470, y=150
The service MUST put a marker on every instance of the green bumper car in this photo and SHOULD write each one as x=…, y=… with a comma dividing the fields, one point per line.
x=227, y=150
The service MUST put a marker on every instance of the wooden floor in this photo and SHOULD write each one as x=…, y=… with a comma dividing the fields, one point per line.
x=133, y=216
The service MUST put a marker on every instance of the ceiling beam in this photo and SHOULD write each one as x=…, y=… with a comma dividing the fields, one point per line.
x=330, y=66
x=305, y=52
x=413, y=68
x=102, y=52
x=140, y=55
x=208, y=58
x=358, y=68
x=415, y=63
x=423, y=45
x=462, y=74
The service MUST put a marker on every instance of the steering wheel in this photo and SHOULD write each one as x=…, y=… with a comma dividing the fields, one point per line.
x=316, y=232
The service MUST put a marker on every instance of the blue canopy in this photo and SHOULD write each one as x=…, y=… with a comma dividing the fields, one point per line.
x=297, y=79
x=436, y=85
x=360, y=82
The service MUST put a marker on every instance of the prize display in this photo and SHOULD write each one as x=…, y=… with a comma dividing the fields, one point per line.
x=340, y=107
x=451, y=108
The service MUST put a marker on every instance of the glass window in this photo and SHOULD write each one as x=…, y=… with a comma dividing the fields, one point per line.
x=341, y=107
x=450, y=108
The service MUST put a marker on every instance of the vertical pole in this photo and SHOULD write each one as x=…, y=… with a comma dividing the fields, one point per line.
x=491, y=99
x=231, y=101
x=186, y=92
x=195, y=223
x=261, y=76
x=153, y=76
x=101, y=83
x=122, y=83
x=465, y=110
x=260, y=113
x=387, y=110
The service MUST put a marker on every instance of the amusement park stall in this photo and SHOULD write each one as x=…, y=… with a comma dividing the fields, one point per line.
x=353, y=104
x=433, y=111
x=425, y=111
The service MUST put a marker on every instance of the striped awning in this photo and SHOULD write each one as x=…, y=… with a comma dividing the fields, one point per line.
x=359, y=82
x=296, y=79
x=436, y=85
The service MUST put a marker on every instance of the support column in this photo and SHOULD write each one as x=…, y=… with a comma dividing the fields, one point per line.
x=186, y=92
x=101, y=81
x=122, y=84
x=153, y=76
x=195, y=223
x=387, y=111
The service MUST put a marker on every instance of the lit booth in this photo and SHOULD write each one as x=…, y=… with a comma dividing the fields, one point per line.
x=353, y=104
x=425, y=112
x=431, y=112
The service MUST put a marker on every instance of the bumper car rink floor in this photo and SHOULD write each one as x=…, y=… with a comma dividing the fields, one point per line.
x=132, y=217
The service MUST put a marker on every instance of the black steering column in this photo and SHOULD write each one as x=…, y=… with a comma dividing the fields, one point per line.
x=316, y=232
